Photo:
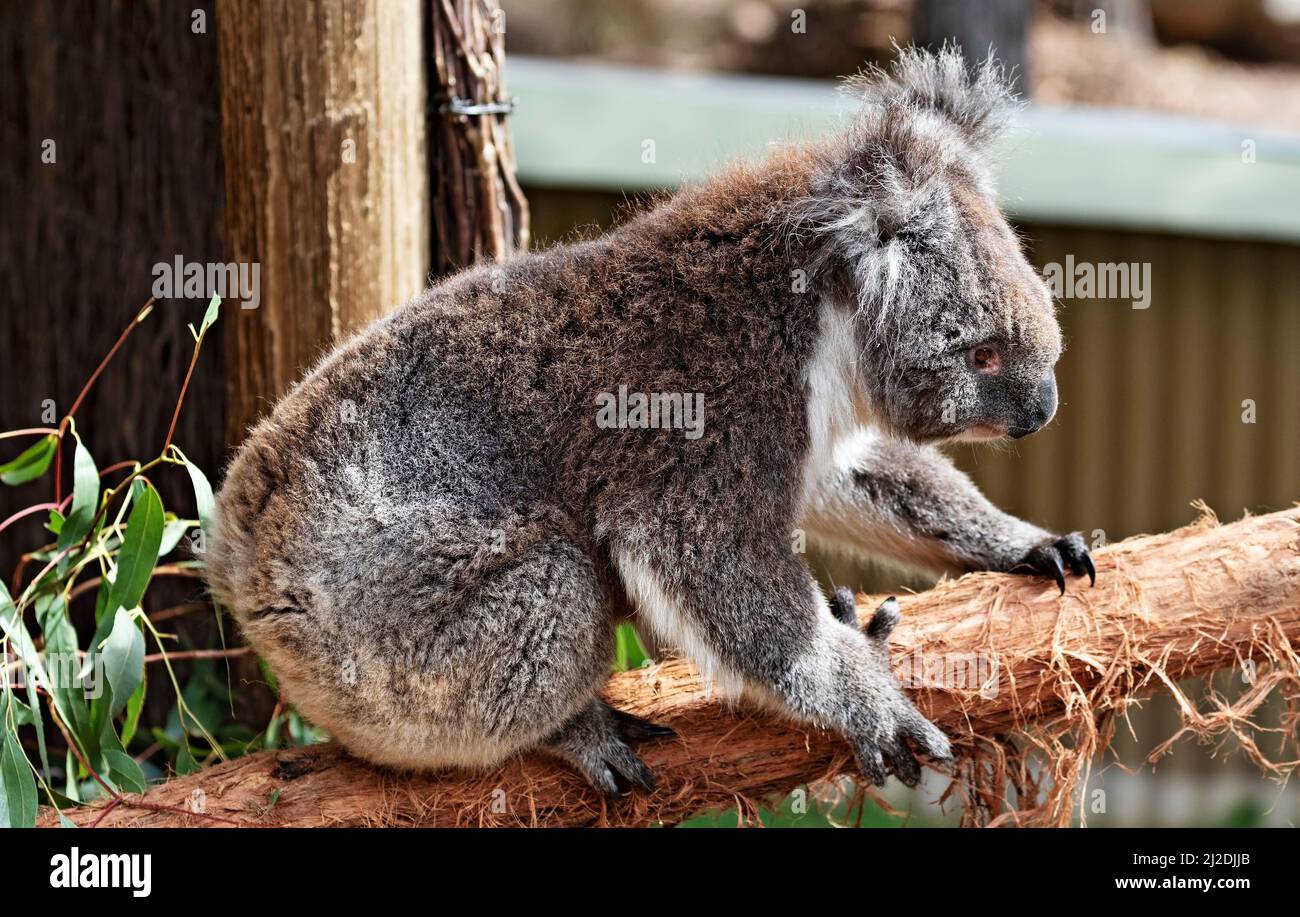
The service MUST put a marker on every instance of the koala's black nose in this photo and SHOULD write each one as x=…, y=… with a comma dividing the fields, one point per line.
x=1042, y=410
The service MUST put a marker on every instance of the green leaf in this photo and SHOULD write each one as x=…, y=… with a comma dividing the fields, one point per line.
x=65, y=822
x=173, y=532
x=67, y=692
x=11, y=623
x=185, y=763
x=34, y=705
x=52, y=617
x=31, y=464
x=123, y=659
x=70, y=766
x=85, y=500
x=104, y=617
x=204, y=503
x=17, y=786
x=125, y=772
x=211, y=315
x=139, y=553
x=22, y=713
x=133, y=708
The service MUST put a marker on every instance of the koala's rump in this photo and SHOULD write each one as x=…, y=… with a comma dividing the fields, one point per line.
x=377, y=569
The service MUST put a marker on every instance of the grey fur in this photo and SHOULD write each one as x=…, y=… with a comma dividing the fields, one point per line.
x=431, y=539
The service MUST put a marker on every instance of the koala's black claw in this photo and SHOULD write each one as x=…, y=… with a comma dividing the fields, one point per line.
x=844, y=606
x=1053, y=559
x=904, y=765
x=632, y=773
x=872, y=765
x=619, y=770
x=606, y=783
x=631, y=726
x=1058, y=574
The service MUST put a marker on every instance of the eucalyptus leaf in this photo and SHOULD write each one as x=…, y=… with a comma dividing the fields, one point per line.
x=31, y=463
x=85, y=500
x=22, y=713
x=204, y=503
x=173, y=532
x=17, y=786
x=134, y=705
x=214, y=307
x=139, y=552
x=123, y=655
x=125, y=772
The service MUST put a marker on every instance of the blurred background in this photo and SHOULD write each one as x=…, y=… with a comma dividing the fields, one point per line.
x=1161, y=134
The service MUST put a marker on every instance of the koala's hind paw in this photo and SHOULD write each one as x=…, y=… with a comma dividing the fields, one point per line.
x=1055, y=557
x=593, y=742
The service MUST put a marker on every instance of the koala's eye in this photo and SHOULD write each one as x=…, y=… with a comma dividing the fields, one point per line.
x=984, y=358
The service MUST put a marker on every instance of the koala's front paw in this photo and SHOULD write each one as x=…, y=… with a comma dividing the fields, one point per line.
x=882, y=747
x=1054, y=557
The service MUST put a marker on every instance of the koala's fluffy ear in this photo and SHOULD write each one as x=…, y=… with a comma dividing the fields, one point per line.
x=927, y=112
x=976, y=100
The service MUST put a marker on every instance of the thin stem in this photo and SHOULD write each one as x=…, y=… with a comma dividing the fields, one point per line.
x=163, y=570
x=232, y=653
x=107, y=499
x=31, y=431
x=177, y=611
x=129, y=463
x=85, y=390
x=76, y=750
x=180, y=400
x=26, y=512
x=103, y=813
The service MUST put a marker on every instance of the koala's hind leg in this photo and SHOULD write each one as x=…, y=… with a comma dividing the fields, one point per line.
x=408, y=672
x=595, y=742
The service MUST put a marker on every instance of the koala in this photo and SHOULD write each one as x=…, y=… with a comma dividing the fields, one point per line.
x=433, y=536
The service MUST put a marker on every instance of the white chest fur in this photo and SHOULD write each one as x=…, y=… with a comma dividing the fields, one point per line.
x=837, y=411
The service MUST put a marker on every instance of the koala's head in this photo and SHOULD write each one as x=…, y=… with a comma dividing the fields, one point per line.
x=957, y=330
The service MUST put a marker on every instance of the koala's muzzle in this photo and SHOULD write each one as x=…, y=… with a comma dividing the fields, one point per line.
x=1040, y=411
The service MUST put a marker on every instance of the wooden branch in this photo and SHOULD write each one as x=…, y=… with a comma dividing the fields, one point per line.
x=1168, y=606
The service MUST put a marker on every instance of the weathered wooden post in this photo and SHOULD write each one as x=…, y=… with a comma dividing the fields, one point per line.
x=479, y=211
x=323, y=131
